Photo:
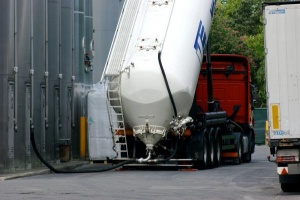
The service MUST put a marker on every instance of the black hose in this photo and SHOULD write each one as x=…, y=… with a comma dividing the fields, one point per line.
x=236, y=124
x=167, y=84
x=73, y=171
x=172, y=155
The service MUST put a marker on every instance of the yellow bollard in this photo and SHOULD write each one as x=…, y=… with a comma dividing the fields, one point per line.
x=82, y=141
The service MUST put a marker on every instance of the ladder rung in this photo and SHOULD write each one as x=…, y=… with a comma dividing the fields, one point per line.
x=120, y=115
x=116, y=130
x=116, y=106
x=117, y=114
x=113, y=90
x=117, y=122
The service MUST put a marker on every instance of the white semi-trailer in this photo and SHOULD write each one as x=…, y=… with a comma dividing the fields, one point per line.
x=282, y=61
x=152, y=73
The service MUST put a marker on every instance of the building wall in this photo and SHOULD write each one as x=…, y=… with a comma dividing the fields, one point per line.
x=43, y=77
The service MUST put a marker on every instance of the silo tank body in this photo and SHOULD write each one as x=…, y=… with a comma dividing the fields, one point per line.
x=179, y=29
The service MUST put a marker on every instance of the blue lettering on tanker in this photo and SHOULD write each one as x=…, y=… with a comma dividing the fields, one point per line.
x=277, y=11
x=200, y=39
x=212, y=8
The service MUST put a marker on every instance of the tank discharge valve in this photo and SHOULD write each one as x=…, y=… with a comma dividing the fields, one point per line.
x=179, y=125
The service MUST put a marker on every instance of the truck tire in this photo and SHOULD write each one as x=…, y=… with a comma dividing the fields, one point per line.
x=247, y=157
x=203, y=164
x=239, y=144
x=200, y=151
x=211, y=149
x=217, y=151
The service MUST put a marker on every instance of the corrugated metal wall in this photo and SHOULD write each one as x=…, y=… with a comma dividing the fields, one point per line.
x=6, y=67
x=43, y=77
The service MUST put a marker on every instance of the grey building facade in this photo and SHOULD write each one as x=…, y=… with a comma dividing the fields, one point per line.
x=44, y=75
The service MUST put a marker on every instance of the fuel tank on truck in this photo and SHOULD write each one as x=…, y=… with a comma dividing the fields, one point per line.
x=178, y=30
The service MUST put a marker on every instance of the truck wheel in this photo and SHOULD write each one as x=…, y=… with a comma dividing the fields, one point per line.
x=239, y=144
x=201, y=156
x=248, y=156
x=211, y=150
x=204, y=163
x=217, y=152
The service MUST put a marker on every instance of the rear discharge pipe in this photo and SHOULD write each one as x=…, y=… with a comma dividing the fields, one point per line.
x=141, y=160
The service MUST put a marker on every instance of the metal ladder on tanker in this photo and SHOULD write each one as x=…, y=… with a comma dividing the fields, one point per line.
x=116, y=116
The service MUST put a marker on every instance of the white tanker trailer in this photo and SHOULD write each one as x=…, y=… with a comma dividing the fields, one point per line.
x=176, y=28
x=152, y=72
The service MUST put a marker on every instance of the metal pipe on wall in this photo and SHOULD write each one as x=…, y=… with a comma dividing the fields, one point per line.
x=60, y=70
x=32, y=66
x=31, y=95
x=73, y=69
x=46, y=66
x=15, y=67
x=84, y=39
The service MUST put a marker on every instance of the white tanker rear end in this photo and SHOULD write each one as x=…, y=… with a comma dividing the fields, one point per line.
x=176, y=29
